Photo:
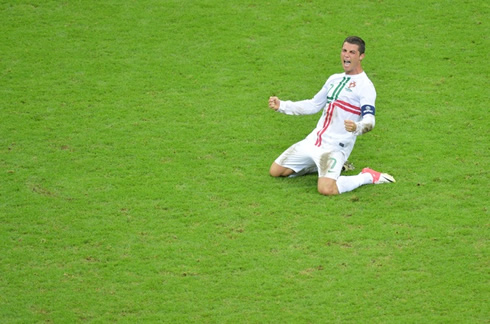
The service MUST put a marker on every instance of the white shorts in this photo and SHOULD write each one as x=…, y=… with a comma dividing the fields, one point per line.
x=304, y=157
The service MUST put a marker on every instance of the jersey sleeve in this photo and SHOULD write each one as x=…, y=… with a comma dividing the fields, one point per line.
x=368, y=110
x=368, y=99
x=365, y=125
x=306, y=107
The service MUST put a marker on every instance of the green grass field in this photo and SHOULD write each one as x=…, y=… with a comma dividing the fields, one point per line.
x=135, y=143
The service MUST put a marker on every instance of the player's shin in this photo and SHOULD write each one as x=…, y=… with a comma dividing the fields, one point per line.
x=349, y=183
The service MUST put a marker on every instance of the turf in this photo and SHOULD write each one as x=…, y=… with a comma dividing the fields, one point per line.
x=135, y=142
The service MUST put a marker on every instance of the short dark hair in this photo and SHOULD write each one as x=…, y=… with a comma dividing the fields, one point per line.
x=356, y=41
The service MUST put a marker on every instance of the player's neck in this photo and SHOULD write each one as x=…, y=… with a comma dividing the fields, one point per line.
x=356, y=72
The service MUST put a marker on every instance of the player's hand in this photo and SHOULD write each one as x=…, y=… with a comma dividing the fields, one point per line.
x=350, y=126
x=274, y=103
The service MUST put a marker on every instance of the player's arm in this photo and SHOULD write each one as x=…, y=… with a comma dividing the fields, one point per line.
x=365, y=125
x=303, y=107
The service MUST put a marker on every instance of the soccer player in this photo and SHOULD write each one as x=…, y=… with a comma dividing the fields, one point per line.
x=347, y=100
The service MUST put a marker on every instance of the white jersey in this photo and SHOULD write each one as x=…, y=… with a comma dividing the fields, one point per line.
x=343, y=97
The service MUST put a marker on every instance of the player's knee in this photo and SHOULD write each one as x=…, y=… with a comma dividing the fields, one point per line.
x=328, y=190
x=274, y=171
x=278, y=171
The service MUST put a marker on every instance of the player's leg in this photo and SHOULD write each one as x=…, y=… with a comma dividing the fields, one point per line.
x=329, y=167
x=331, y=183
x=327, y=186
x=294, y=161
x=367, y=176
x=277, y=170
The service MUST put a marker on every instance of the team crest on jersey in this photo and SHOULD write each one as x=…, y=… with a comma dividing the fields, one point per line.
x=351, y=85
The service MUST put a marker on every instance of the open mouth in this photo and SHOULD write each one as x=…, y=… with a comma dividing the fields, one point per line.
x=346, y=63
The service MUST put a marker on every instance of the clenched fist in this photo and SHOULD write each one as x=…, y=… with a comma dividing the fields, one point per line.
x=274, y=103
x=350, y=126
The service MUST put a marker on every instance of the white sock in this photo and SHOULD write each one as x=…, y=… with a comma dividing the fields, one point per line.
x=349, y=183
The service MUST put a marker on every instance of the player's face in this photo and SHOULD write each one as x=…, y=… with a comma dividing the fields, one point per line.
x=351, y=58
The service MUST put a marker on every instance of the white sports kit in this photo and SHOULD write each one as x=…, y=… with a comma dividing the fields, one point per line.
x=328, y=146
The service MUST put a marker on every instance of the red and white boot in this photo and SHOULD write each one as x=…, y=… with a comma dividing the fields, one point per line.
x=379, y=177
